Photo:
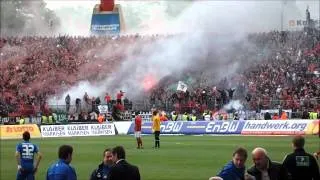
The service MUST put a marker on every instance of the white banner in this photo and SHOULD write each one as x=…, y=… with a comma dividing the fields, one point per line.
x=182, y=86
x=71, y=130
x=272, y=111
x=283, y=127
x=103, y=109
x=123, y=127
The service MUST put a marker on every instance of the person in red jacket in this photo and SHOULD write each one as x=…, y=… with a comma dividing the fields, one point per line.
x=137, y=130
x=107, y=98
x=163, y=117
x=119, y=97
x=275, y=116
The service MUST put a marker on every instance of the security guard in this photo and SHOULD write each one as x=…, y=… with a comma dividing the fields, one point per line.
x=185, y=117
x=101, y=173
x=44, y=119
x=21, y=121
x=50, y=119
x=174, y=116
x=313, y=115
x=301, y=165
x=193, y=117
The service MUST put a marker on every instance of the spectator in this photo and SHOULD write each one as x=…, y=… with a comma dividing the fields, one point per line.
x=300, y=164
x=119, y=97
x=67, y=100
x=267, y=116
x=287, y=77
x=264, y=168
x=284, y=115
x=163, y=117
x=107, y=99
x=122, y=169
x=78, y=106
x=236, y=116
x=275, y=116
x=230, y=92
x=101, y=118
x=235, y=169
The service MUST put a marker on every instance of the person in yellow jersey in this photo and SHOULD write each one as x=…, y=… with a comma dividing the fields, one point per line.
x=156, y=128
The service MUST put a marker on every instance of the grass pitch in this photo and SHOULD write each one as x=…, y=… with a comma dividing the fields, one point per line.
x=180, y=157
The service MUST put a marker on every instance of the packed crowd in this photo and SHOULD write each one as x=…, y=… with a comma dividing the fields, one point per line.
x=287, y=77
x=93, y=108
x=286, y=73
x=33, y=68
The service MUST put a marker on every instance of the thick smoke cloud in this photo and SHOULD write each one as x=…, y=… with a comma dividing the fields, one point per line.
x=27, y=17
x=209, y=29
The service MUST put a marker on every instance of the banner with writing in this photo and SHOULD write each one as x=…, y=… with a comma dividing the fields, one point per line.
x=77, y=130
x=16, y=131
x=249, y=127
x=193, y=127
x=105, y=23
x=280, y=127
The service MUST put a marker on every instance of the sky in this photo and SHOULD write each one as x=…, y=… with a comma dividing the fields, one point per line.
x=155, y=16
x=88, y=4
x=57, y=4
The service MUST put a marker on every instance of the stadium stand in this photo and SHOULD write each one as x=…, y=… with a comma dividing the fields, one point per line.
x=37, y=67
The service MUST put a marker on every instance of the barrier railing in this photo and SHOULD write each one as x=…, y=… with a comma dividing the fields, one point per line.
x=168, y=105
x=84, y=113
x=221, y=127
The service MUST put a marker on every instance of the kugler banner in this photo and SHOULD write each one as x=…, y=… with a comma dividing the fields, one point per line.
x=193, y=127
x=77, y=130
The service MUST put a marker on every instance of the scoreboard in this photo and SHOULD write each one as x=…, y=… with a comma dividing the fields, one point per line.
x=107, y=20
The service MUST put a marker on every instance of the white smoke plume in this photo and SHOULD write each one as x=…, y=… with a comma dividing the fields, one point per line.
x=234, y=104
x=155, y=16
x=227, y=22
x=27, y=18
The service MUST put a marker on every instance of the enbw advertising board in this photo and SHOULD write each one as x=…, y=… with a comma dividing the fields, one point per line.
x=197, y=127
